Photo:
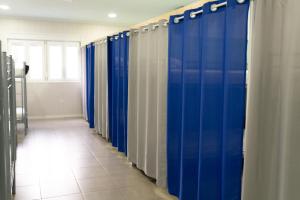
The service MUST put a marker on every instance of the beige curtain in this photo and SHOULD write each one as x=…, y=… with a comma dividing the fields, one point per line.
x=83, y=81
x=272, y=163
x=101, y=88
x=147, y=97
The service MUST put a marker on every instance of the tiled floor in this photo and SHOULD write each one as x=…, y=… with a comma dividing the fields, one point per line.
x=64, y=160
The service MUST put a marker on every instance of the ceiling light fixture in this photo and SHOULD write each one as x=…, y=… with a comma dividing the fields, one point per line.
x=4, y=7
x=112, y=15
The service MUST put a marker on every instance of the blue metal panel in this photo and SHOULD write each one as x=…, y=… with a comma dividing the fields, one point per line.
x=191, y=106
x=234, y=98
x=174, y=113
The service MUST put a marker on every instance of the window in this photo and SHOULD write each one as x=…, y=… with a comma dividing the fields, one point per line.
x=55, y=62
x=48, y=61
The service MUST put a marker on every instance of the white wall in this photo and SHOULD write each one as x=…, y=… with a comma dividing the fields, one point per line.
x=53, y=99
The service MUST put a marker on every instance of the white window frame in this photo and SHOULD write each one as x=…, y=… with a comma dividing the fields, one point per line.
x=45, y=75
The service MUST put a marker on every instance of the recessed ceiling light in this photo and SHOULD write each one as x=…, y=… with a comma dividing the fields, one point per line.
x=4, y=7
x=112, y=15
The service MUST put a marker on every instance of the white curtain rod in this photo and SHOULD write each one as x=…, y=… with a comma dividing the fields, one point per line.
x=213, y=8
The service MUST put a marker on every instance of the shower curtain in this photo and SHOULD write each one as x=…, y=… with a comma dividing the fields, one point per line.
x=147, y=100
x=90, y=70
x=83, y=82
x=272, y=164
x=118, y=81
x=101, y=94
x=206, y=101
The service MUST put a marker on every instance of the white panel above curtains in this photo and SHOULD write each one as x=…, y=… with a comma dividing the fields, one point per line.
x=147, y=96
x=272, y=164
x=101, y=89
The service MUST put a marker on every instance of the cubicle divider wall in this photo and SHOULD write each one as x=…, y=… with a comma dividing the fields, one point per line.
x=206, y=101
x=8, y=138
x=118, y=95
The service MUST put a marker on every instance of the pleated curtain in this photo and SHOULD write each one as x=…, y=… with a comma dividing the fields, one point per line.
x=101, y=88
x=272, y=164
x=147, y=92
x=118, y=90
x=206, y=101
x=90, y=84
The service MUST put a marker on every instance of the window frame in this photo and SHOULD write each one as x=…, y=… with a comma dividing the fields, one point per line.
x=45, y=75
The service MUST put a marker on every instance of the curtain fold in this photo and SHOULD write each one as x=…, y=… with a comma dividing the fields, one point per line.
x=101, y=88
x=90, y=84
x=118, y=81
x=83, y=82
x=147, y=100
x=272, y=134
x=206, y=101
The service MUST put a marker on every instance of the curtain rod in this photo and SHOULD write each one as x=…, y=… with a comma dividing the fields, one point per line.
x=213, y=8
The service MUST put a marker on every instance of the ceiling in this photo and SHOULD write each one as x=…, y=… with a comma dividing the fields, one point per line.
x=92, y=11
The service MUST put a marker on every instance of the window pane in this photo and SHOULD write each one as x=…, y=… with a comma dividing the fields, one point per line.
x=18, y=53
x=72, y=63
x=36, y=62
x=55, y=62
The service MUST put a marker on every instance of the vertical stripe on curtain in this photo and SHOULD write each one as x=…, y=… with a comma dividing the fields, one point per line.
x=147, y=100
x=118, y=85
x=207, y=83
x=101, y=90
x=272, y=164
x=83, y=82
x=90, y=67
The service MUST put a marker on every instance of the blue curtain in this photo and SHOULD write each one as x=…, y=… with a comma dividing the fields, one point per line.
x=90, y=84
x=206, y=102
x=118, y=95
x=174, y=107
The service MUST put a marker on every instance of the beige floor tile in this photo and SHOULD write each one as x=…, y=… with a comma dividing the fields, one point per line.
x=96, y=184
x=105, y=195
x=59, y=189
x=89, y=172
x=65, y=160
x=28, y=193
x=68, y=197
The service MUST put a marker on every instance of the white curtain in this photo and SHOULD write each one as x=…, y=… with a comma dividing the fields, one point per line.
x=83, y=81
x=101, y=88
x=147, y=97
x=272, y=162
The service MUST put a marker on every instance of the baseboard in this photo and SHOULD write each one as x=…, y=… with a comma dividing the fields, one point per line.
x=55, y=117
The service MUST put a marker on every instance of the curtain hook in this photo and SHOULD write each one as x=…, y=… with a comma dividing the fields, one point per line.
x=192, y=15
x=214, y=7
x=240, y=1
x=176, y=20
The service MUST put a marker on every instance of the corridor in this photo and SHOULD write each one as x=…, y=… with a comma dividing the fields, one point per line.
x=65, y=160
